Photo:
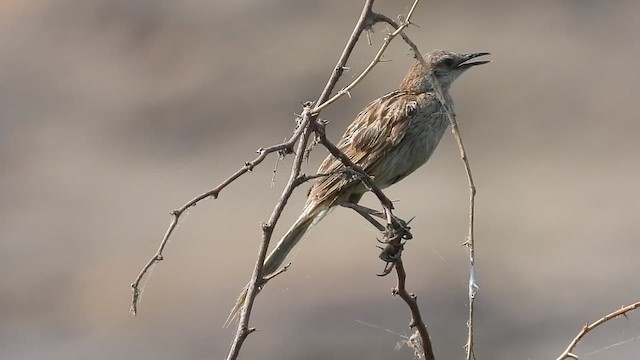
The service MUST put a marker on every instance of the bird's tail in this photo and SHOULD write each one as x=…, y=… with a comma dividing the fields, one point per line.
x=311, y=215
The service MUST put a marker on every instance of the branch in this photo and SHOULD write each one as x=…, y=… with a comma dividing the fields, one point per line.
x=373, y=18
x=363, y=23
x=470, y=242
x=248, y=167
x=394, y=233
x=414, y=48
x=568, y=354
x=346, y=161
x=416, y=319
x=256, y=280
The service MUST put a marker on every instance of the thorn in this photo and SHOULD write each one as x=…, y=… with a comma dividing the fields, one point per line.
x=369, y=32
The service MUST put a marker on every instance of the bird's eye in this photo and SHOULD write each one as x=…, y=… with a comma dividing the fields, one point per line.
x=448, y=61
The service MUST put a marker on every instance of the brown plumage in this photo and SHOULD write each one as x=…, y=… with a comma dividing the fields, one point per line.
x=392, y=137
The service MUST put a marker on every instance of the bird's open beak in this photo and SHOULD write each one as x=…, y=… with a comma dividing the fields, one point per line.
x=465, y=64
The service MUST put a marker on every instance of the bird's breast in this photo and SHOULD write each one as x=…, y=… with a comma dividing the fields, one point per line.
x=420, y=140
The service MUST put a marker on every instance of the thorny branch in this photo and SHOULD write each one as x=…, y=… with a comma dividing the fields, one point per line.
x=286, y=147
x=308, y=123
x=416, y=319
x=470, y=242
x=267, y=231
x=372, y=19
x=568, y=352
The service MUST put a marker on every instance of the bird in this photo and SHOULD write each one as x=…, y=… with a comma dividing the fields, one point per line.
x=391, y=138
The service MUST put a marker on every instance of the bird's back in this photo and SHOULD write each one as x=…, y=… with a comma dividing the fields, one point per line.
x=389, y=139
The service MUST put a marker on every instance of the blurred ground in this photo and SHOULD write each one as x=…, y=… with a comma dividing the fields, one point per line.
x=113, y=113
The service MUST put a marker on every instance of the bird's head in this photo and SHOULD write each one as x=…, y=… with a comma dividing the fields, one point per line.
x=446, y=66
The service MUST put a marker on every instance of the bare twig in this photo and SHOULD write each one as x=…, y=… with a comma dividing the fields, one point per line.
x=248, y=167
x=414, y=49
x=304, y=178
x=374, y=61
x=568, y=352
x=256, y=280
x=470, y=241
x=276, y=273
x=416, y=318
x=395, y=232
x=363, y=23
x=346, y=161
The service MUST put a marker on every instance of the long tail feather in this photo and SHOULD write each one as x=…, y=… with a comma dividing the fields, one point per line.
x=311, y=215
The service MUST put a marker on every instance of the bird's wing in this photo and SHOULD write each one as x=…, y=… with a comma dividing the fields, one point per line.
x=374, y=132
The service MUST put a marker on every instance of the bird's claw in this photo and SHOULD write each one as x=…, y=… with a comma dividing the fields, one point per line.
x=388, y=267
x=390, y=254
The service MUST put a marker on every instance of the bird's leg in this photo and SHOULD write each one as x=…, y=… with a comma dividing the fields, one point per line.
x=366, y=213
x=394, y=232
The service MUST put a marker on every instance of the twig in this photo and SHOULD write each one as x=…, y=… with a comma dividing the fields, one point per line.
x=470, y=241
x=395, y=232
x=414, y=48
x=374, y=61
x=416, y=318
x=248, y=167
x=256, y=280
x=346, y=161
x=363, y=22
x=304, y=178
x=276, y=273
x=568, y=352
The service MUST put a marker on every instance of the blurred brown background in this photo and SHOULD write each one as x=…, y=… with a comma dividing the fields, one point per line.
x=113, y=113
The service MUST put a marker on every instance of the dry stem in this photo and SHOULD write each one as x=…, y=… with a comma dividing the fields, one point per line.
x=568, y=354
x=256, y=280
x=248, y=166
x=416, y=318
x=373, y=18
